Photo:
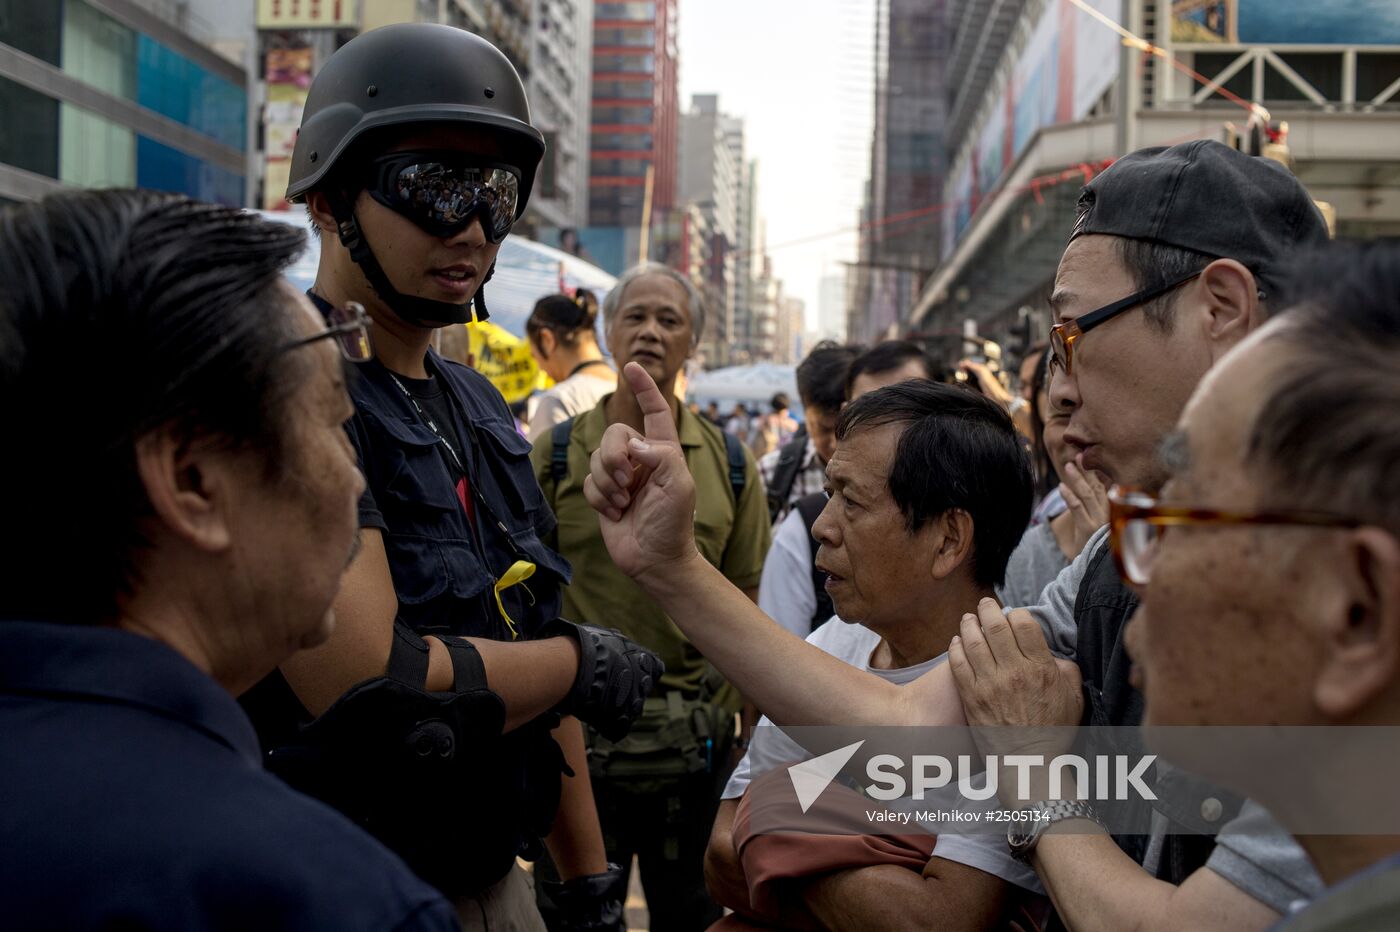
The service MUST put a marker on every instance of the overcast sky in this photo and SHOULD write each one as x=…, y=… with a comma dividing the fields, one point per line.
x=800, y=74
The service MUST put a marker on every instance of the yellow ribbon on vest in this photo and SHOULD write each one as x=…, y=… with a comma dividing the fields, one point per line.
x=519, y=571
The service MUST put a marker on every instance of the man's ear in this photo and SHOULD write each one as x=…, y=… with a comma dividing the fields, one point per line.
x=1360, y=625
x=187, y=491
x=1231, y=307
x=954, y=530
x=320, y=207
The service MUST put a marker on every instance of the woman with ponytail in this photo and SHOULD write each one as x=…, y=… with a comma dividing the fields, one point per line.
x=561, y=335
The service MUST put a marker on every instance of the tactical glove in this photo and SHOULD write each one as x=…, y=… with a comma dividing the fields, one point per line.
x=593, y=903
x=615, y=674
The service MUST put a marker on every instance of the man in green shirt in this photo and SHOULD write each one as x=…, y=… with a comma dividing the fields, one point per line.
x=657, y=789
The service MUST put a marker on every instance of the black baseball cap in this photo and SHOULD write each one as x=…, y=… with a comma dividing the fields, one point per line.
x=1207, y=197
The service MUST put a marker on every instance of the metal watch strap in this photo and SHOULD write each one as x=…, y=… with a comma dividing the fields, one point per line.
x=1022, y=842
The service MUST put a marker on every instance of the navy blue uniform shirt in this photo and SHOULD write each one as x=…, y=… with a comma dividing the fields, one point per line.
x=132, y=796
x=444, y=560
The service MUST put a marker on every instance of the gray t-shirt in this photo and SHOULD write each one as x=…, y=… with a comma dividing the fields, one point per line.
x=578, y=393
x=1252, y=851
x=1034, y=564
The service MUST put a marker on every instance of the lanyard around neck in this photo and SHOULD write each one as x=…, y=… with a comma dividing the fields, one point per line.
x=431, y=425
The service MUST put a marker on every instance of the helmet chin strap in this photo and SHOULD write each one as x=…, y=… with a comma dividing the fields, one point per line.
x=412, y=309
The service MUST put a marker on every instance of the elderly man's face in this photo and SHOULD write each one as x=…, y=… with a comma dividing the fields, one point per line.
x=294, y=535
x=1224, y=633
x=1130, y=379
x=878, y=574
x=652, y=327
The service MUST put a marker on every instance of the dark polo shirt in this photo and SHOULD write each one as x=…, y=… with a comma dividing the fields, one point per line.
x=132, y=797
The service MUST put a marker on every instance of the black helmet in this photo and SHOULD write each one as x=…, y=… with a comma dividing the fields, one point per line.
x=409, y=73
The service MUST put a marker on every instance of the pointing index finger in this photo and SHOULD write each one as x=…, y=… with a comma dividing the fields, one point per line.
x=659, y=423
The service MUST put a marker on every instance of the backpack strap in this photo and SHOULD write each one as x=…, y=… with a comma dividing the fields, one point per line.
x=810, y=508
x=737, y=477
x=785, y=472
x=559, y=450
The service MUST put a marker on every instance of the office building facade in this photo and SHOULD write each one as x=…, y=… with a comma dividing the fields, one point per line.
x=102, y=93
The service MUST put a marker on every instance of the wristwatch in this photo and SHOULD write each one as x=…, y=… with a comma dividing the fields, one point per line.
x=1023, y=836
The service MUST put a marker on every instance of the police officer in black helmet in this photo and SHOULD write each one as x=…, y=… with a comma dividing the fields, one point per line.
x=443, y=713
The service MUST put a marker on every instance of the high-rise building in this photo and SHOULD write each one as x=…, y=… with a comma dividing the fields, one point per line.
x=124, y=93
x=548, y=41
x=900, y=237
x=831, y=308
x=559, y=87
x=1047, y=96
x=788, y=336
x=761, y=344
x=748, y=247
x=635, y=110
x=711, y=173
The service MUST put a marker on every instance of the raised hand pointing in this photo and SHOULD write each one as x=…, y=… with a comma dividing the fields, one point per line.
x=641, y=488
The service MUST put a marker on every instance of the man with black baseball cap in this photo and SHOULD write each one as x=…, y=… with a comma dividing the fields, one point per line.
x=433, y=715
x=1174, y=257
x=1173, y=261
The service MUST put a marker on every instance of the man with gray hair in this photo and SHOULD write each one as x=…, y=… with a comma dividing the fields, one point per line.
x=1282, y=469
x=657, y=789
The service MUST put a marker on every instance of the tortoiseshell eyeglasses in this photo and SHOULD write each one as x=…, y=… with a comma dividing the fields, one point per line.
x=1136, y=523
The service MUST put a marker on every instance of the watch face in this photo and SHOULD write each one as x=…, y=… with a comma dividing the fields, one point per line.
x=1019, y=835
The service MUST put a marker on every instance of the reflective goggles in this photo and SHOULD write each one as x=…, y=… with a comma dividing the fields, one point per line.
x=442, y=191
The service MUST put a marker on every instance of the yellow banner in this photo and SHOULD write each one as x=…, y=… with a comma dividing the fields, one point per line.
x=504, y=359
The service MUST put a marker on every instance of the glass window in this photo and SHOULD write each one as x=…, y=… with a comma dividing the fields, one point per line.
x=33, y=28
x=634, y=37
x=623, y=90
x=633, y=11
x=1374, y=74
x=1212, y=63
x=30, y=139
x=176, y=87
x=1323, y=72
x=630, y=142
x=165, y=169
x=94, y=152
x=634, y=115
x=619, y=168
x=100, y=51
x=625, y=64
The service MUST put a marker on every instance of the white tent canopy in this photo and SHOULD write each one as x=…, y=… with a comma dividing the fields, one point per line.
x=753, y=385
x=525, y=272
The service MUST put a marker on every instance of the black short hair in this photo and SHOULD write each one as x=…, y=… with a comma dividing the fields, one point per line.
x=959, y=450
x=821, y=377
x=779, y=402
x=124, y=312
x=886, y=357
x=1325, y=438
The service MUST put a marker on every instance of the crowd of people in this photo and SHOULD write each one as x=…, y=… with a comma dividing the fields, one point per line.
x=302, y=633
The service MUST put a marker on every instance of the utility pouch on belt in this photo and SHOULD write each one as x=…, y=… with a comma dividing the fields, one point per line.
x=677, y=739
